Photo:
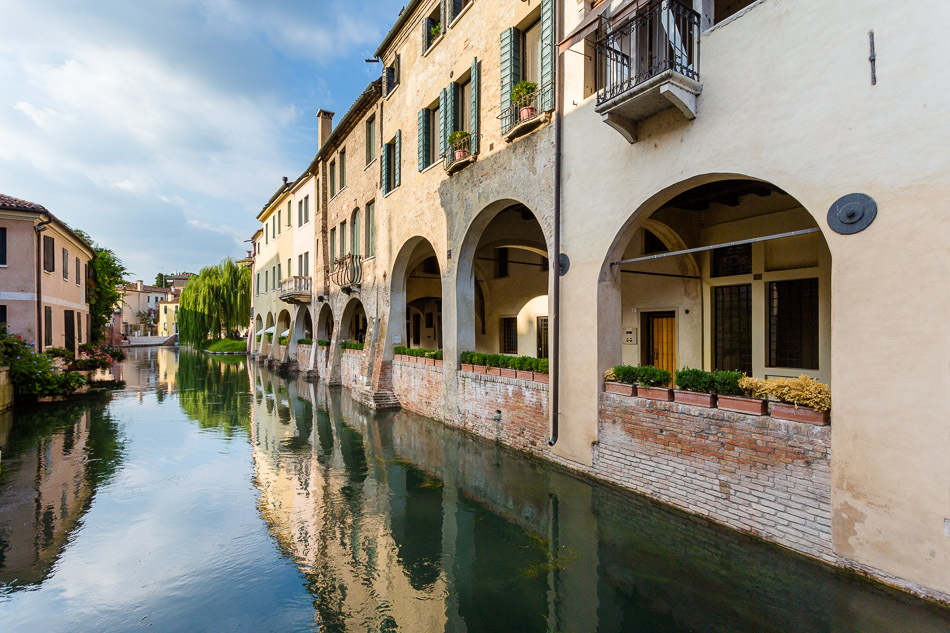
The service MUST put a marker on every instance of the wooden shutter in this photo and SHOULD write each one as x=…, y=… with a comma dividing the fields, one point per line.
x=547, y=54
x=455, y=7
x=385, y=168
x=444, y=14
x=443, y=134
x=427, y=24
x=424, y=141
x=397, y=159
x=3, y=246
x=475, y=82
x=49, y=257
x=452, y=116
x=510, y=64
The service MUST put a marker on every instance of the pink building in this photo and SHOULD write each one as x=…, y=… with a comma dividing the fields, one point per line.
x=43, y=269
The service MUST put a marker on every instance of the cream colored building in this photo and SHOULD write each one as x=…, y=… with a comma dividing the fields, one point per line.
x=776, y=204
x=139, y=298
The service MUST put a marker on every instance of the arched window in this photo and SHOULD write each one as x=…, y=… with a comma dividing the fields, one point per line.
x=355, y=246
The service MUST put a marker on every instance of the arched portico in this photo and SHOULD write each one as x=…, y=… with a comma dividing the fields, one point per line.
x=282, y=332
x=255, y=344
x=303, y=329
x=415, y=309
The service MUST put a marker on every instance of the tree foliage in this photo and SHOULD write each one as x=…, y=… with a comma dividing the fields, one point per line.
x=214, y=303
x=160, y=280
x=106, y=274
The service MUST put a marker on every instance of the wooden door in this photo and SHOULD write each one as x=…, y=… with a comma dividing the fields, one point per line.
x=660, y=346
x=70, y=330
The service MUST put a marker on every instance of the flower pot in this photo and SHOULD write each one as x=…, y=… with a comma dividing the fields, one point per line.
x=437, y=362
x=509, y=373
x=460, y=154
x=494, y=371
x=539, y=377
x=751, y=406
x=430, y=362
x=663, y=394
x=694, y=398
x=419, y=360
x=525, y=375
x=467, y=367
x=528, y=112
x=790, y=412
x=480, y=369
x=620, y=388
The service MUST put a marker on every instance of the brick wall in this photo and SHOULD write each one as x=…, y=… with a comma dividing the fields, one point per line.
x=523, y=405
x=351, y=361
x=303, y=356
x=419, y=388
x=764, y=476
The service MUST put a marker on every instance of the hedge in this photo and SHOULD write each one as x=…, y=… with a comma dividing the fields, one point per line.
x=523, y=363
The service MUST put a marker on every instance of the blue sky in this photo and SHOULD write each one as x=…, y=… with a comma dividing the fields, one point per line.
x=161, y=127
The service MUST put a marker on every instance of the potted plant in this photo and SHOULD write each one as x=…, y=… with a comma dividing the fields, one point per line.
x=753, y=403
x=801, y=399
x=695, y=387
x=456, y=140
x=493, y=361
x=507, y=367
x=521, y=96
x=619, y=380
x=651, y=383
x=541, y=371
x=466, y=361
x=524, y=367
x=435, y=31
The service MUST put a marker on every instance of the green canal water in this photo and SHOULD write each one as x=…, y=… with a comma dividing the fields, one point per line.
x=210, y=495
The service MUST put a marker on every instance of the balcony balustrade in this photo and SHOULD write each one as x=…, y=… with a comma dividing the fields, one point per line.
x=347, y=272
x=460, y=153
x=296, y=289
x=527, y=113
x=648, y=64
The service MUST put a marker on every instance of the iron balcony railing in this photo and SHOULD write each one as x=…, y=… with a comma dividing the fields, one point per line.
x=347, y=270
x=295, y=287
x=527, y=109
x=460, y=150
x=662, y=36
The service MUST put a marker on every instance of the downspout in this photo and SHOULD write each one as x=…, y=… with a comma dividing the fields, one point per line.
x=556, y=290
x=38, y=229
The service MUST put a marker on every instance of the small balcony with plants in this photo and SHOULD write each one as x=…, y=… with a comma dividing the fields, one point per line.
x=530, y=108
x=461, y=151
x=648, y=64
x=296, y=290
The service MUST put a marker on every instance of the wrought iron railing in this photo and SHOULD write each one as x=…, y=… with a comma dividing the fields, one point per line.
x=347, y=270
x=662, y=36
x=528, y=108
x=295, y=286
x=460, y=150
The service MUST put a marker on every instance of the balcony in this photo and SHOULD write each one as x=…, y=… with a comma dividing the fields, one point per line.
x=460, y=154
x=648, y=64
x=347, y=272
x=295, y=290
x=528, y=113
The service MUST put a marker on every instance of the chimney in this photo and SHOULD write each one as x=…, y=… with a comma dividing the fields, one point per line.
x=139, y=284
x=325, y=123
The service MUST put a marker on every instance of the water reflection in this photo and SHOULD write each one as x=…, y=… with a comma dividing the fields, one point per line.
x=399, y=523
x=54, y=459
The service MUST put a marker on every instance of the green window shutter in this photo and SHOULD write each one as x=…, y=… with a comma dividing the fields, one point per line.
x=452, y=109
x=397, y=159
x=424, y=141
x=456, y=8
x=510, y=64
x=443, y=134
x=444, y=14
x=427, y=24
x=474, y=106
x=384, y=165
x=547, y=54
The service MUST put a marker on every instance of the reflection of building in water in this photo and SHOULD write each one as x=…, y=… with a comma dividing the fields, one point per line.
x=326, y=509
x=46, y=486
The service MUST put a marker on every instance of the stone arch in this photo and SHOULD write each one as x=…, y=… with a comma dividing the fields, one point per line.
x=258, y=331
x=684, y=295
x=410, y=260
x=302, y=328
x=325, y=322
x=282, y=329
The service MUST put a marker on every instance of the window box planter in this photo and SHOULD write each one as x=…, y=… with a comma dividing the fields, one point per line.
x=695, y=398
x=494, y=371
x=750, y=406
x=807, y=415
x=525, y=375
x=437, y=362
x=480, y=369
x=539, y=377
x=419, y=360
x=430, y=362
x=663, y=394
x=620, y=388
x=468, y=367
x=509, y=373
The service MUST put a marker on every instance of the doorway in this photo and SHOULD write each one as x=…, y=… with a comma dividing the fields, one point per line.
x=69, y=327
x=659, y=344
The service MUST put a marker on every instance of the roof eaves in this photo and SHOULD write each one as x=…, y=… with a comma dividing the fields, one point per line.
x=404, y=16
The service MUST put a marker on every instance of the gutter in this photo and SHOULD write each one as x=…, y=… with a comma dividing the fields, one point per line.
x=560, y=267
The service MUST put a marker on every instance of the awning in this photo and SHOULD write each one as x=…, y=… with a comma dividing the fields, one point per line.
x=587, y=26
x=286, y=332
x=270, y=330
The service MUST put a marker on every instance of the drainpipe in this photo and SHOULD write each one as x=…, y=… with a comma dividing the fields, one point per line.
x=556, y=290
x=39, y=228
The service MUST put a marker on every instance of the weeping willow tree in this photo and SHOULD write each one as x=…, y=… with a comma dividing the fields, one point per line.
x=214, y=303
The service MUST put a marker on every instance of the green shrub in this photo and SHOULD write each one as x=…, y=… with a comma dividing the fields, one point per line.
x=458, y=136
x=58, y=352
x=32, y=374
x=86, y=364
x=727, y=382
x=258, y=338
x=695, y=380
x=351, y=345
x=323, y=342
x=304, y=341
x=543, y=366
x=270, y=338
x=521, y=92
x=282, y=340
x=225, y=345
x=646, y=375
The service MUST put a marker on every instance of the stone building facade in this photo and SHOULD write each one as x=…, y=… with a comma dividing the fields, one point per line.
x=738, y=214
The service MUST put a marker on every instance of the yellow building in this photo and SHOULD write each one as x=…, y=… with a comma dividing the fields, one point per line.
x=168, y=317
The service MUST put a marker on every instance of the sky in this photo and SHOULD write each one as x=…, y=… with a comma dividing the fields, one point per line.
x=162, y=127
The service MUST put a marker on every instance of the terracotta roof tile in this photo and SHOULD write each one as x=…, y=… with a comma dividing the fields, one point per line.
x=15, y=204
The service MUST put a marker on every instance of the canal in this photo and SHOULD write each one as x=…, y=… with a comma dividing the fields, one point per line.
x=208, y=494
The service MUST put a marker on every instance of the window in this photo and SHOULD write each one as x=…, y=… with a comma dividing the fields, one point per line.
x=3, y=314
x=732, y=328
x=355, y=244
x=3, y=246
x=732, y=260
x=332, y=178
x=290, y=216
x=431, y=28
x=65, y=265
x=165, y=308
x=49, y=256
x=306, y=264
x=290, y=269
x=257, y=285
x=343, y=247
x=273, y=228
x=279, y=276
x=273, y=278
x=371, y=140
x=47, y=325
x=391, y=163
x=531, y=60
x=280, y=224
x=391, y=77
x=509, y=335
x=793, y=323
x=266, y=234
x=300, y=213
x=78, y=269
x=429, y=140
x=501, y=263
x=342, y=168
x=78, y=327
x=333, y=248
x=306, y=209
x=465, y=106
x=300, y=264
x=370, y=229
x=652, y=244
x=542, y=337
x=265, y=281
